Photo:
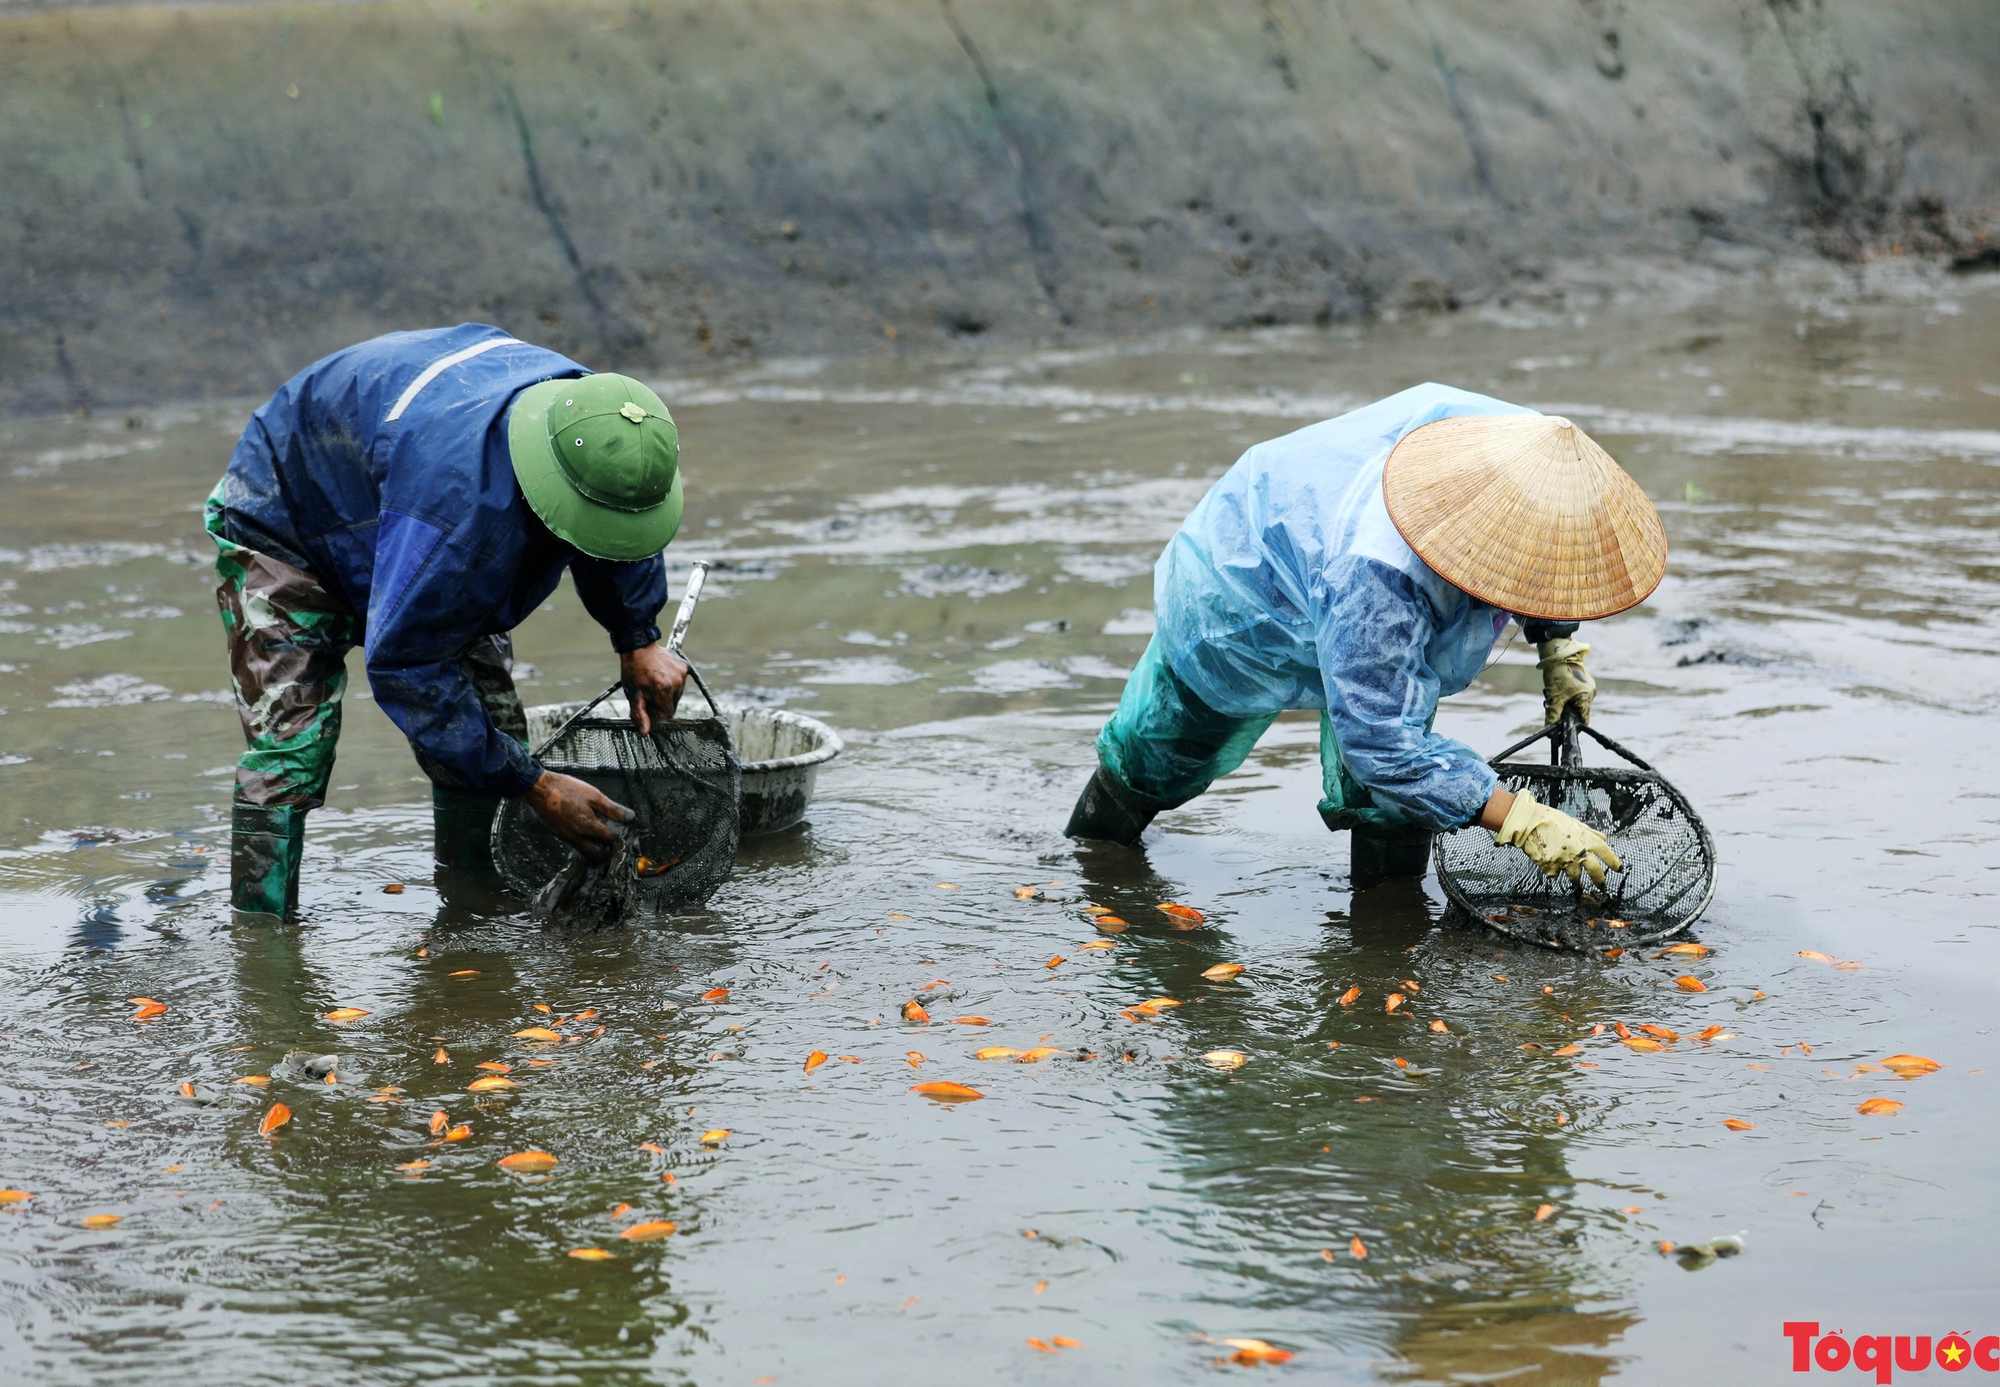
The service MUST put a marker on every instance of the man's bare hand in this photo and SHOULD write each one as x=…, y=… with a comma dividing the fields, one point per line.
x=577, y=812
x=652, y=676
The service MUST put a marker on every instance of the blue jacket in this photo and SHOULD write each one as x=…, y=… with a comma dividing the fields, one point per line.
x=383, y=471
x=1290, y=587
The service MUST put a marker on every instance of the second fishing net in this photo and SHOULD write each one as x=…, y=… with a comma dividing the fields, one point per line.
x=1667, y=859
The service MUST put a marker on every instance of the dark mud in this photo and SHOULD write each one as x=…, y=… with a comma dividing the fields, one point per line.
x=195, y=201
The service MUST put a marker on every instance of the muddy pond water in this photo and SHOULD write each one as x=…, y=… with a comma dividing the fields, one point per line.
x=950, y=561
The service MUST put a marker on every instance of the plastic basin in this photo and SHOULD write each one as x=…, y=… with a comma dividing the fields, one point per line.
x=781, y=752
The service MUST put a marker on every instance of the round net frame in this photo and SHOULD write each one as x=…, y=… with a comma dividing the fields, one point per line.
x=1668, y=872
x=683, y=784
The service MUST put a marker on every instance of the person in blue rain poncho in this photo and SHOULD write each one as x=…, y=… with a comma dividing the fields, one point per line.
x=419, y=495
x=1365, y=566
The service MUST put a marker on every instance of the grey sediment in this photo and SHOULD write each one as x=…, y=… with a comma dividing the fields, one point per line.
x=197, y=201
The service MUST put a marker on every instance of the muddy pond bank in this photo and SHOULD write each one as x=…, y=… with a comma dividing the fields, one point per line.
x=948, y=558
x=196, y=201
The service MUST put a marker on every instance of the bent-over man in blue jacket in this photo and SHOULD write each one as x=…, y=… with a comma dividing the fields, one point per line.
x=419, y=495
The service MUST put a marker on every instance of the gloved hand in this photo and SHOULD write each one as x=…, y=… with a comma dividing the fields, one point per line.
x=1565, y=681
x=1556, y=842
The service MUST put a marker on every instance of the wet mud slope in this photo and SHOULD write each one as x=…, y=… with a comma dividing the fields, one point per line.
x=198, y=201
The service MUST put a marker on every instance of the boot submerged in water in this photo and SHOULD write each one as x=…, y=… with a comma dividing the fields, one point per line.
x=462, y=827
x=1380, y=853
x=267, y=844
x=1108, y=812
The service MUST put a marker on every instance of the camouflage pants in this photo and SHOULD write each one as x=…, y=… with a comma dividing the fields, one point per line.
x=288, y=642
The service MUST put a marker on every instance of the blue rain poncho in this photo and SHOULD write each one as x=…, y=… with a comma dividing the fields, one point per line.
x=384, y=472
x=1290, y=587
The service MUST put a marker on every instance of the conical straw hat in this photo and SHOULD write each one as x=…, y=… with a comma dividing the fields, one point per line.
x=1527, y=513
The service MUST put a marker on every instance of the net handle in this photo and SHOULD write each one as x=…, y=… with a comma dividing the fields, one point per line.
x=1563, y=749
x=691, y=594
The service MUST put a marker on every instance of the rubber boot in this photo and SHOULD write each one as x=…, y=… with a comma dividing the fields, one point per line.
x=1108, y=811
x=266, y=847
x=1379, y=853
x=462, y=827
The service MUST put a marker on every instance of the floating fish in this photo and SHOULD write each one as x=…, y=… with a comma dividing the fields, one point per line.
x=947, y=1092
x=528, y=1162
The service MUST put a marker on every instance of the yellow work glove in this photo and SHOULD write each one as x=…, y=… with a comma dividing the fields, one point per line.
x=1555, y=842
x=1565, y=681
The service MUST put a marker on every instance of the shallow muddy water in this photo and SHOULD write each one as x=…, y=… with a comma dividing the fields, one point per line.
x=950, y=560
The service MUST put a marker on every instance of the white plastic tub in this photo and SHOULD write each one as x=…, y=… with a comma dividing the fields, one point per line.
x=781, y=754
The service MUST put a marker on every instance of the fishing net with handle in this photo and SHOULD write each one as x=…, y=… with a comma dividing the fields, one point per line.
x=1668, y=858
x=683, y=783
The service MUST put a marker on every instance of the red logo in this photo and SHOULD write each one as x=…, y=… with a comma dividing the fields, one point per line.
x=1882, y=1354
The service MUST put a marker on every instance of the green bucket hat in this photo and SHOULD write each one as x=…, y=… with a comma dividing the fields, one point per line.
x=599, y=460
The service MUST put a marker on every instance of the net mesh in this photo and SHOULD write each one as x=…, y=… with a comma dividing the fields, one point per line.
x=1668, y=859
x=682, y=783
